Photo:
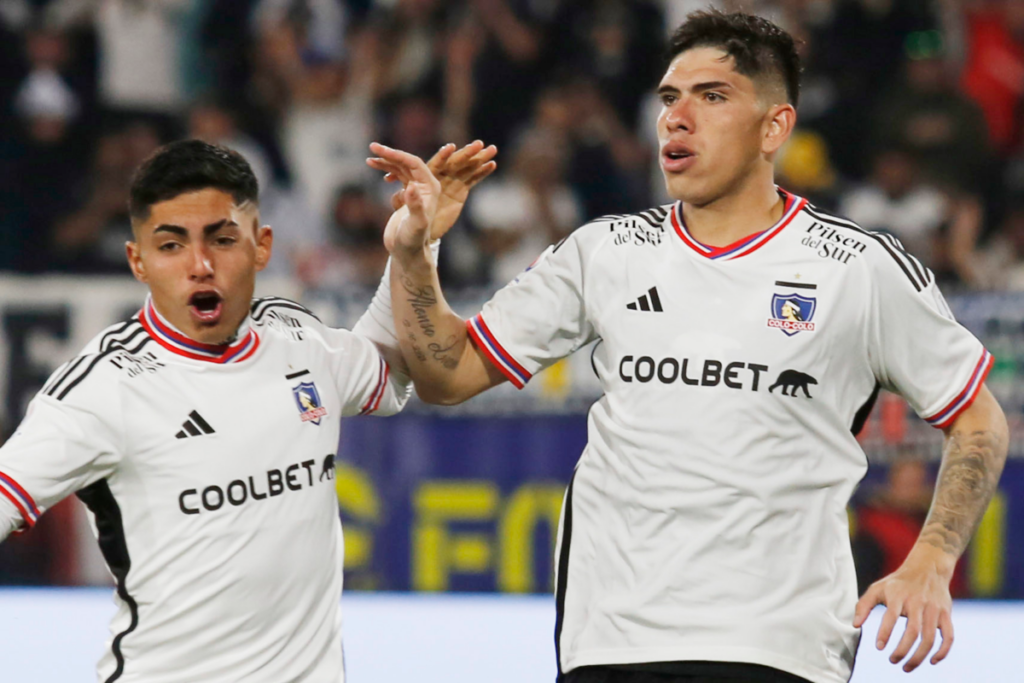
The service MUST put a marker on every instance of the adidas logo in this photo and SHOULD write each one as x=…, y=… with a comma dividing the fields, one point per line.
x=193, y=425
x=648, y=302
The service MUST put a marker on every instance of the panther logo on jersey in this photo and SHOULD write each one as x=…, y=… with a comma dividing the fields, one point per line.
x=311, y=409
x=792, y=313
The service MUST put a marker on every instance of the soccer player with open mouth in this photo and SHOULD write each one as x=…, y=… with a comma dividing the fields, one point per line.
x=742, y=336
x=201, y=434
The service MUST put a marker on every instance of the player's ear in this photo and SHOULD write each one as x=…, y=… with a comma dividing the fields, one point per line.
x=264, y=246
x=779, y=122
x=135, y=261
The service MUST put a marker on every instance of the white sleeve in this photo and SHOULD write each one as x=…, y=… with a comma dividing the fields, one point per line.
x=59, y=448
x=916, y=347
x=365, y=382
x=537, y=319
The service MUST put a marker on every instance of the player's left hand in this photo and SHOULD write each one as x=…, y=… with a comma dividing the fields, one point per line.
x=457, y=171
x=410, y=235
x=919, y=591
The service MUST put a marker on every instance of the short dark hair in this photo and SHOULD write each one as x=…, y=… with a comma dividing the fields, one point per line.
x=758, y=47
x=187, y=166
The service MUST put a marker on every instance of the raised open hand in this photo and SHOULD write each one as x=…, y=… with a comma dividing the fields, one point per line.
x=457, y=171
x=409, y=230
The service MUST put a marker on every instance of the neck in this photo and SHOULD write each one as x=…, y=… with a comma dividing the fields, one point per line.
x=752, y=208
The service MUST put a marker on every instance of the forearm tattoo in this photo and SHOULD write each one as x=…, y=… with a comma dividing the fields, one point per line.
x=970, y=471
x=423, y=301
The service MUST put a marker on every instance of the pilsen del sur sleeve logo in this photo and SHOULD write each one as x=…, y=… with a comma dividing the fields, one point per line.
x=307, y=398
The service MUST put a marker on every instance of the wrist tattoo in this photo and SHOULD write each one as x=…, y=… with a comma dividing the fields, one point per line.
x=968, y=477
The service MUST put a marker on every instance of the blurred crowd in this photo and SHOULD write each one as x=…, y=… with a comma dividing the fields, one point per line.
x=910, y=121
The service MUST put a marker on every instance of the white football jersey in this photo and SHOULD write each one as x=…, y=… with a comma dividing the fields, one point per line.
x=209, y=472
x=706, y=519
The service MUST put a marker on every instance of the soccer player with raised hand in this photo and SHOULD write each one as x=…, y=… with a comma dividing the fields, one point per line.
x=742, y=336
x=201, y=434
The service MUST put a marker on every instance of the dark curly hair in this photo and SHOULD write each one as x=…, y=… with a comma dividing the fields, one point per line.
x=760, y=49
x=187, y=166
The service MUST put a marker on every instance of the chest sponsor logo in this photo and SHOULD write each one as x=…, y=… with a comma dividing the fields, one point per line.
x=712, y=373
x=295, y=477
x=832, y=243
x=307, y=398
x=793, y=313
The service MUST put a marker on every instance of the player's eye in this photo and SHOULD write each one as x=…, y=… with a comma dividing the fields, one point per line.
x=714, y=97
x=668, y=100
x=225, y=241
x=169, y=246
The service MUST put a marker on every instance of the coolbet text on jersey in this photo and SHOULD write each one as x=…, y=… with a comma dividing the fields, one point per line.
x=209, y=473
x=706, y=519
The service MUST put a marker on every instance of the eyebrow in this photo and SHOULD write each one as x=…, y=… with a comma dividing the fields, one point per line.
x=698, y=88
x=207, y=230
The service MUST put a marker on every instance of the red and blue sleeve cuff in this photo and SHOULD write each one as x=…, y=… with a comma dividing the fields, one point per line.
x=13, y=491
x=965, y=398
x=373, y=403
x=496, y=353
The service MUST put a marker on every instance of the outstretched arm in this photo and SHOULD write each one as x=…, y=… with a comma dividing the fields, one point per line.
x=457, y=171
x=972, y=460
x=445, y=366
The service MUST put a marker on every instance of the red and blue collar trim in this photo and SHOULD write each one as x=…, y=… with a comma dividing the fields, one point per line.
x=174, y=341
x=747, y=245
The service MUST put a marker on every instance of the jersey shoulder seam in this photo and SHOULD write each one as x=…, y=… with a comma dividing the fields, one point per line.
x=261, y=306
x=919, y=275
x=129, y=336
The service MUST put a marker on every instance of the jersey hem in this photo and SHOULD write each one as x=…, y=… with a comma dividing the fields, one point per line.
x=495, y=352
x=738, y=655
x=948, y=415
x=14, y=492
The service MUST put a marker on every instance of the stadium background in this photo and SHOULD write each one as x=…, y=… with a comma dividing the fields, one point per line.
x=910, y=122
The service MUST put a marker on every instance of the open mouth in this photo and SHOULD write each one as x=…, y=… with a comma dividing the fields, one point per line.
x=206, y=306
x=676, y=157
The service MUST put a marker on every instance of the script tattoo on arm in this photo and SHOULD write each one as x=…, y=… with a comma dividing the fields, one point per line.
x=423, y=301
x=970, y=471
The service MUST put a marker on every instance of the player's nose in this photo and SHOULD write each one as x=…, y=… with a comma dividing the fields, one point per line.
x=200, y=263
x=679, y=115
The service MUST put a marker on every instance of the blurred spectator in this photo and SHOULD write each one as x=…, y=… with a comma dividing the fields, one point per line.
x=1001, y=262
x=325, y=109
x=528, y=209
x=142, y=61
x=213, y=122
x=895, y=199
x=41, y=156
x=608, y=163
x=927, y=114
x=889, y=522
x=407, y=47
x=993, y=74
x=505, y=40
x=355, y=255
x=91, y=239
x=618, y=43
x=855, y=44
